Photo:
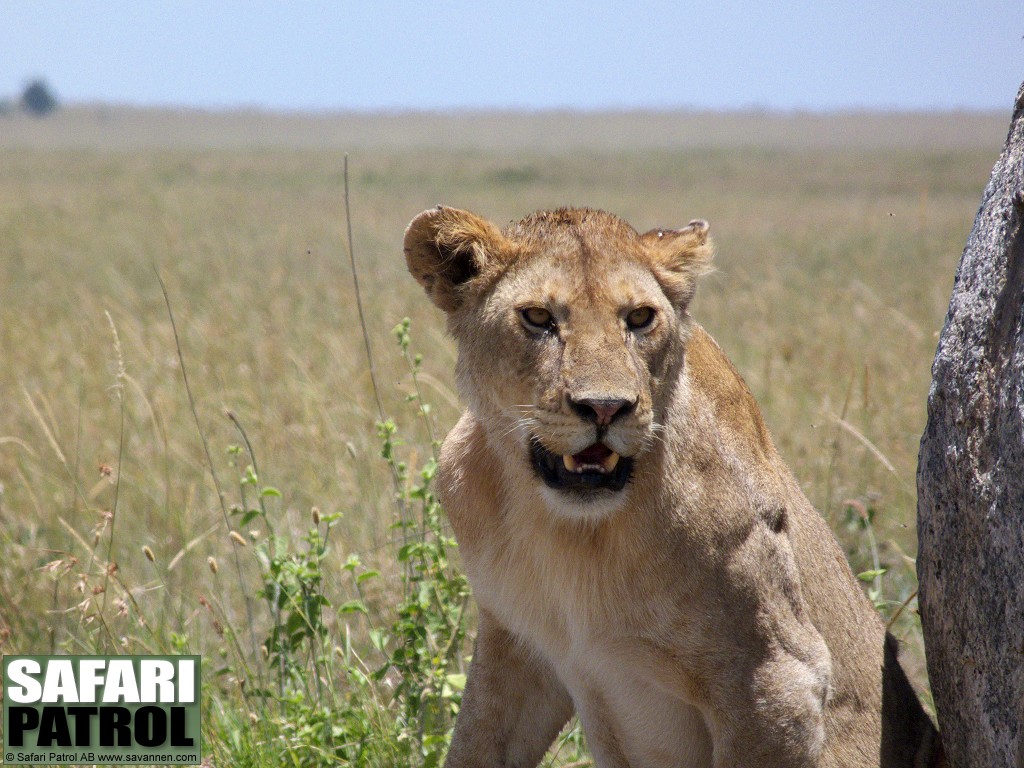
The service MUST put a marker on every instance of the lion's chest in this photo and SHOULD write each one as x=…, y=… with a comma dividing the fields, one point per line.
x=590, y=621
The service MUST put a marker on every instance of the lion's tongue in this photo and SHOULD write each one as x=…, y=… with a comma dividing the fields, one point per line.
x=595, y=454
x=598, y=456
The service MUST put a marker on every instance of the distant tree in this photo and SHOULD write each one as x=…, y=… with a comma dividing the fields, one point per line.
x=37, y=99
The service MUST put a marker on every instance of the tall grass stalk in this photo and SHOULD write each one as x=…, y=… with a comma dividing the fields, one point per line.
x=209, y=459
x=396, y=479
x=119, y=389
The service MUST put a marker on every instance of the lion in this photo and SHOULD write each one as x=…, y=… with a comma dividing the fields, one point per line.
x=639, y=552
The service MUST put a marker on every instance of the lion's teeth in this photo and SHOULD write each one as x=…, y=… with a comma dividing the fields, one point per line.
x=609, y=463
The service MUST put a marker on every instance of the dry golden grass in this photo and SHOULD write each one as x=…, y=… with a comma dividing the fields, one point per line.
x=837, y=242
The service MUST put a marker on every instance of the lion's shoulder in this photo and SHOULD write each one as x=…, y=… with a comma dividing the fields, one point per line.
x=719, y=389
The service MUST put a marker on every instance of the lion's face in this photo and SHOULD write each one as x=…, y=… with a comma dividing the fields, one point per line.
x=582, y=357
x=570, y=328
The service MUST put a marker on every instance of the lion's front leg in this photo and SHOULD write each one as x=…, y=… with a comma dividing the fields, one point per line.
x=513, y=706
x=769, y=672
x=776, y=717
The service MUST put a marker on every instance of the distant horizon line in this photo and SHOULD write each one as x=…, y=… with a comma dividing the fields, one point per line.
x=398, y=111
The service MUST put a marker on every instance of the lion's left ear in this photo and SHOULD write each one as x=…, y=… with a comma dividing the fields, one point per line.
x=446, y=248
x=681, y=257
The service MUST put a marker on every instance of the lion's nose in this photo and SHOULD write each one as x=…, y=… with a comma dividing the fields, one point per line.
x=601, y=411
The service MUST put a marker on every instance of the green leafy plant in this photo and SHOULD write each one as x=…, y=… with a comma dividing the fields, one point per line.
x=429, y=631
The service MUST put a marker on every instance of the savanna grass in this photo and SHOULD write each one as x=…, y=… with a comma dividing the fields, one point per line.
x=333, y=625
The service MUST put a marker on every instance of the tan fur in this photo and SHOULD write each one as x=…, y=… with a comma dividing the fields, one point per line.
x=702, y=616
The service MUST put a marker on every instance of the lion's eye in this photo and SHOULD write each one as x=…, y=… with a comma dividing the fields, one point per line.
x=537, y=318
x=640, y=318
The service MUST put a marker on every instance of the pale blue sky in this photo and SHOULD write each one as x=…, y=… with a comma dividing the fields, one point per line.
x=433, y=54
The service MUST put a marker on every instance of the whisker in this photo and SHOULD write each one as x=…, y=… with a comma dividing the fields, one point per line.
x=517, y=424
x=655, y=434
x=512, y=428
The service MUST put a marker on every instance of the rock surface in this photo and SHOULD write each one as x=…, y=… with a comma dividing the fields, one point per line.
x=970, y=482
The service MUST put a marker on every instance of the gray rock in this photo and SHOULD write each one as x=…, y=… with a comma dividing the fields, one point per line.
x=970, y=483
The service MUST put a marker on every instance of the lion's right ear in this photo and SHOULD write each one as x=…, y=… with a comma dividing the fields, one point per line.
x=446, y=248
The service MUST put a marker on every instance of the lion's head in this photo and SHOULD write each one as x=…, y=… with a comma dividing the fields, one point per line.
x=570, y=328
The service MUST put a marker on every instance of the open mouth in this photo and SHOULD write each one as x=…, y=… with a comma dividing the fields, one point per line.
x=593, y=468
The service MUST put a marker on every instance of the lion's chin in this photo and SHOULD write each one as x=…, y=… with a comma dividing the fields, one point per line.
x=591, y=474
